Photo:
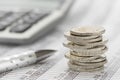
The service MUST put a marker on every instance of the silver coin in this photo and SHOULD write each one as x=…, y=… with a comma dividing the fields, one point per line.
x=83, y=41
x=94, y=43
x=67, y=34
x=85, y=58
x=79, y=69
x=72, y=45
x=78, y=48
x=87, y=30
x=89, y=53
x=89, y=64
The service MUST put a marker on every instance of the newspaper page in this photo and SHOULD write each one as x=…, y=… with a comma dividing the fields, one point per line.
x=56, y=68
x=84, y=12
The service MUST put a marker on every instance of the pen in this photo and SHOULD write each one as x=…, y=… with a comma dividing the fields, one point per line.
x=20, y=60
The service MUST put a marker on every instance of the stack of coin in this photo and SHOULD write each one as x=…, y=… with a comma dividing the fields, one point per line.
x=87, y=48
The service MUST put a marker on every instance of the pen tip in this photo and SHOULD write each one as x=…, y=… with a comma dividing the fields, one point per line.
x=45, y=53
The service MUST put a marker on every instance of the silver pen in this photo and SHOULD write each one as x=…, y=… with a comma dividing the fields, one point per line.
x=23, y=59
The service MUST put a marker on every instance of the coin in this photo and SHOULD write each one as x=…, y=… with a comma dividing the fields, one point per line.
x=70, y=45
x=96, y=43
x=87, y=30
x=89, y=50
x=67, y=34
x=83, y=41
x=94, y=64
x=77, y=47
x=86, y=66
x=89, y=53
x=85, y=58
x=78, y=68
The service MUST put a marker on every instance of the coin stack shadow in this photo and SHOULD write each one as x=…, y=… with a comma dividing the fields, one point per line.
x=86, y=49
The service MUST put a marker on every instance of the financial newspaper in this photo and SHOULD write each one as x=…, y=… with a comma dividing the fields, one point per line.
x=55, y=67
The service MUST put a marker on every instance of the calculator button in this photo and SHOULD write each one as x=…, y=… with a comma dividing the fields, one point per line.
x=20, y=28
x=34, y=17
x=2, y=14
x=3, y=25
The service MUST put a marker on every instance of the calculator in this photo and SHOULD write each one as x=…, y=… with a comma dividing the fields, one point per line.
x=24, y=21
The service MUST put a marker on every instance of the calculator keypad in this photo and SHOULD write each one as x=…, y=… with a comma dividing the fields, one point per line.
x=20, y=21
